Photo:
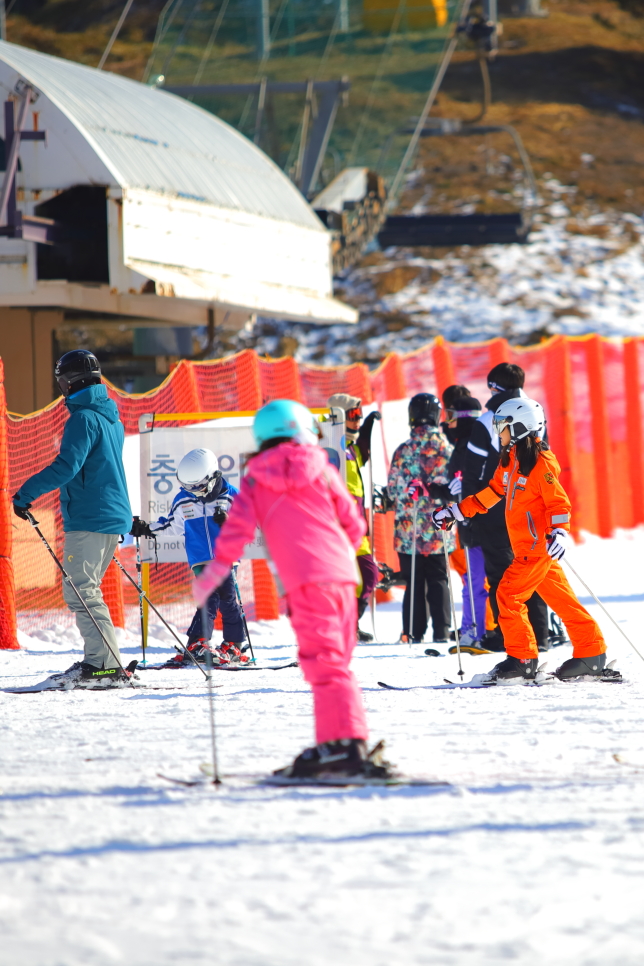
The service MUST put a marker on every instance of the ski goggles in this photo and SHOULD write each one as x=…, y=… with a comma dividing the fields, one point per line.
x=494, y=386
x=353, y=415
x=457, y=413
x=203, y=487
x=500, y=423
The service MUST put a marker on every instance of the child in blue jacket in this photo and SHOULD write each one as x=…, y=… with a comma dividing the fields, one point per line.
x=197, y=513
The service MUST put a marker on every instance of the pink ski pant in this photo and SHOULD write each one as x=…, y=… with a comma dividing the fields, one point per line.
x=324, y=618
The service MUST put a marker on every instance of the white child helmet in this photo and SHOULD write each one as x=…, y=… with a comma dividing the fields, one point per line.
x=522, y=416
x=199, y=471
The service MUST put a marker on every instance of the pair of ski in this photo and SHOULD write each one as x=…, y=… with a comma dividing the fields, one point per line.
x=43, y=687
x=328, y=781
x=216, y=667
x=479, y=681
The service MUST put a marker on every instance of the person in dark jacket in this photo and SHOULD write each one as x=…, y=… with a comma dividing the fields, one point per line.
x=462, y=412
x=489, y=530
x=95, y=507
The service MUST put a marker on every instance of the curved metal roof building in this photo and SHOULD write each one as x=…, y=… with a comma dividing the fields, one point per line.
x=193, y=210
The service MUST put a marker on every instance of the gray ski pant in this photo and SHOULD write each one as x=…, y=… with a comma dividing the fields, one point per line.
x=86, y=558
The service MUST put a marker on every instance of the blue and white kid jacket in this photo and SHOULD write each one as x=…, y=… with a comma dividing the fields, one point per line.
x=191, y=517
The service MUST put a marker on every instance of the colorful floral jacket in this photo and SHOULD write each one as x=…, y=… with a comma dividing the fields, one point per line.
x=423, y=457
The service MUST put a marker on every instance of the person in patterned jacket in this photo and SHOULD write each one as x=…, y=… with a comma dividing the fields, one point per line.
x=423, y=457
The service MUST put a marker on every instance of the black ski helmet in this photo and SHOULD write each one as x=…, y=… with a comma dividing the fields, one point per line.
x=77, y=370
x=424, y=410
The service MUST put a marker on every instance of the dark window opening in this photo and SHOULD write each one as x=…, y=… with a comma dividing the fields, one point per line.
x=3, y=157
x=81, y=254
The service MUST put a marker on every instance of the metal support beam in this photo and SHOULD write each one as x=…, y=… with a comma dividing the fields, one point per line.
x=13, y=224
x=322, y=99
x=272, y=87
x=343, y=9
x=316, y=146
x=259, y=117
x=263, y=30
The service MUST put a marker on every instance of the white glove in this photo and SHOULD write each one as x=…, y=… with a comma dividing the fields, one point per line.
x=445, y=517
x=557, y=543
x=456, y=486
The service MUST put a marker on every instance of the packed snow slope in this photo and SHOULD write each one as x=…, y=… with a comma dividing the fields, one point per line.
x=534, y=854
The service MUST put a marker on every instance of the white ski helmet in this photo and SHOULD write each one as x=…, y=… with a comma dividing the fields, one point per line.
x=522, y=416
x=199, y=471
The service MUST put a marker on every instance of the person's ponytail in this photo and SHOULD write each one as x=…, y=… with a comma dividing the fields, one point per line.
x=527, y=450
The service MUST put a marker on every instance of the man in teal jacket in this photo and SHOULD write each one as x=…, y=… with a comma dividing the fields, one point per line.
x=95, y=507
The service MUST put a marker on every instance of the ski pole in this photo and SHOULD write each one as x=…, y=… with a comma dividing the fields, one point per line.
x=372, y=596
x=141, y=595
x=453, y=605
x=412, y=589
x=216, y=780
x=68, y=580
x=241, y=607
x=598, y=601
x=470, y=586
x=161, y=618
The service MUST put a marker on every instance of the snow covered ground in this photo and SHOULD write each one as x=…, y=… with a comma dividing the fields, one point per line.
x=533, y=855
x=575, y=275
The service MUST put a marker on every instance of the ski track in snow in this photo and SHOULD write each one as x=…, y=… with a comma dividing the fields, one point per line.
x=535, y=855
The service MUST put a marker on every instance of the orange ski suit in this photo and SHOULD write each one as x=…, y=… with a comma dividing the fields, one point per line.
x=535, y=506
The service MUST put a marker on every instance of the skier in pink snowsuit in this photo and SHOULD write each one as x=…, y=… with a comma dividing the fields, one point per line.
x=311, y=527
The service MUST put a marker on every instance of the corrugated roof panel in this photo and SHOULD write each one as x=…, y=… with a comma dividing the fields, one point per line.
x=151, y=139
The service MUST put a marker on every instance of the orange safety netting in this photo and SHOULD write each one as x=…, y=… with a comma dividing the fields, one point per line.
x=592, y=390
x=320, y=382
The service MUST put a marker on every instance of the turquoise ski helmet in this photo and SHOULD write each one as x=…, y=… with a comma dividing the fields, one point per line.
x=284, y=417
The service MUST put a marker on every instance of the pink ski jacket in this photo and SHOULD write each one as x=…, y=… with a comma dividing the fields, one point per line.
x=310, y=522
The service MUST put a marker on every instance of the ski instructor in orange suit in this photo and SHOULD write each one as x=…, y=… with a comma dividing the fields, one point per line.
x=538, y=519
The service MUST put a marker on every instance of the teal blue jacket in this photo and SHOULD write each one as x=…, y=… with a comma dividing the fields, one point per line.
x=88, y=469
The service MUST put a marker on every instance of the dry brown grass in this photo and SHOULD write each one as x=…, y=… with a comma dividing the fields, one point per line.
x=573, y=85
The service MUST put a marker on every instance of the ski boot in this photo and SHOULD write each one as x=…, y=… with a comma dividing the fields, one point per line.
x=199, y=650
x=96, y=679
x=515, y=667
x=345, y=758
x=232, y=654
x=556, y=632
x=581, y=667
x=66, y=680
x=363, y=637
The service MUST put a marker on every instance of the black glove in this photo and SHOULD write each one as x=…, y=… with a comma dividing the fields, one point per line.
x=367, y=425
x=219, y=515
x=141, y=529
x=382, y=502
x=21, y=511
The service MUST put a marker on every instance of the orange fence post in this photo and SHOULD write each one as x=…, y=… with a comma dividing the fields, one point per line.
x=280, y=379
x=112, y=589
x=8, y=625
x=267, y=605
x=499, y=352
x=601, y=435
x=443, y=365
x=383, y=547
x=249, y=381
x=184, y=384
x=558, y=405
x=634, y=425
x=388, y=380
